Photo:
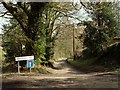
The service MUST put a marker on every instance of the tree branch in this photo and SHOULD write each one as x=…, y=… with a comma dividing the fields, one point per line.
x=23, y=8
x=16, y=14
x=4, y=14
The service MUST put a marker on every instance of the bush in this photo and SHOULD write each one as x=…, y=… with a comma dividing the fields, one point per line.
x=89, y=65
x=40, y=69
x=111, y=55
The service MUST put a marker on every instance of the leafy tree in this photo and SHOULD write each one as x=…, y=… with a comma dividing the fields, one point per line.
x=102, y=28
x=28, y=16
x=37, y=21
x=48, y=32
x=50, y=16
x=13, y=41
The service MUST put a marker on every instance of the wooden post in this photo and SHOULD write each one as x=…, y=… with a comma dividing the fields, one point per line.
x=73, y=42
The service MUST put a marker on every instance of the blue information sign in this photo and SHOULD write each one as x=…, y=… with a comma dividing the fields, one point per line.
x=30, y=63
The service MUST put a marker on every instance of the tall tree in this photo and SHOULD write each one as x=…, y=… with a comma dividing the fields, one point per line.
x=13, y=41
x=28, y=16
x=102, y=28
x=49, y=29
x=38, y=22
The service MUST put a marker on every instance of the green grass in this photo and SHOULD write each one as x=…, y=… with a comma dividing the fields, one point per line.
x=108, y=61
x=88, y=65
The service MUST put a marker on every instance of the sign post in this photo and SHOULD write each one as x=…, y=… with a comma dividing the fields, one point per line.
x=30, y=69
x=18, y=67
x=30, y=64
x=30, y=61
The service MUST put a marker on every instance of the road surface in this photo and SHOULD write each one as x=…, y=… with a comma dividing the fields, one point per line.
x=64, y=76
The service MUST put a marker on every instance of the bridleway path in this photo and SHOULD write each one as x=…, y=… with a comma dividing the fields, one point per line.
x=63, y=76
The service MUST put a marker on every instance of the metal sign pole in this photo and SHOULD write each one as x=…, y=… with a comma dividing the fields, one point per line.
x=30, y=66
x=30, y=69
x=18, y=67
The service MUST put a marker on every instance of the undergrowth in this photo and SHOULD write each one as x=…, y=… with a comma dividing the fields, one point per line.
x=90, y=66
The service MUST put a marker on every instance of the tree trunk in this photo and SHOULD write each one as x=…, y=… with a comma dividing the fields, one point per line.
x=33, y=25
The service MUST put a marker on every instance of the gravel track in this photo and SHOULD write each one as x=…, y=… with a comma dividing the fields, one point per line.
x=64, y=76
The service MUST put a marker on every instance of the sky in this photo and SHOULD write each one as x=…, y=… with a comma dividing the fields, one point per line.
x=81, y=14
x=2, y=21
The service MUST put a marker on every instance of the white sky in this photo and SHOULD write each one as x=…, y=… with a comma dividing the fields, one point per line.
x=79, y=14
x=2, y=21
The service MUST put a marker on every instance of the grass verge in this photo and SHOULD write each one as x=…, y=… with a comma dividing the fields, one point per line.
x=89, y=65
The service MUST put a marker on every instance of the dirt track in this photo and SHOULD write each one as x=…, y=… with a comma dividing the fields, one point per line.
x=64, y=76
